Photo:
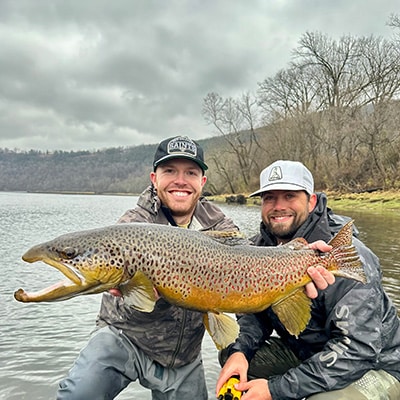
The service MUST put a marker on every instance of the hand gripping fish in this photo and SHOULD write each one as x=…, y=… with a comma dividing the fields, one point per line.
x=192, y=269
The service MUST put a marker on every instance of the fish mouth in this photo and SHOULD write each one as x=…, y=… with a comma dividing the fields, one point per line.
x=76, y=283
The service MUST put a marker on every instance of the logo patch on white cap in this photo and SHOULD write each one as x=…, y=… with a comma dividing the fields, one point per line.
x=276, y=174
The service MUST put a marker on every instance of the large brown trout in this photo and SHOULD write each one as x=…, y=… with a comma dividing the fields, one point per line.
x=193, y=270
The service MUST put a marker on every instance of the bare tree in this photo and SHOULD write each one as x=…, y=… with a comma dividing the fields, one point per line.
x=394, y=21
x=289, y=93
x=293, y=96
x=235, y=121
x=333, y=66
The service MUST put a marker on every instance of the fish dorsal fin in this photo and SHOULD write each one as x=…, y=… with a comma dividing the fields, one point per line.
x=294, y=311
x=346, y=256
x=139, y=293
x=297, y=244
x=222, y=328
x=231, y=238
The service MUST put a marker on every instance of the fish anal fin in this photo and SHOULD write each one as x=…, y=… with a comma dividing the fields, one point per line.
x=222, y=328
x=294, y=311
x=139, y=293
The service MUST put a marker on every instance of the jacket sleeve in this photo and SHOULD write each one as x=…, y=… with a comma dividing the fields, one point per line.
x=354, y=313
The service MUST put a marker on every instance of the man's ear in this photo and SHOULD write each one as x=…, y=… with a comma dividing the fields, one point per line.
x=153, y=179
x=312, y=202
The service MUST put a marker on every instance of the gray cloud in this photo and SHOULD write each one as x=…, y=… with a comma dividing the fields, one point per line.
x=77, y=75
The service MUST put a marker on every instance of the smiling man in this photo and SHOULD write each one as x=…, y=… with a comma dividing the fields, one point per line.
x=160, y=349
x=178, y=177
x=287, y=198
x=350, y=348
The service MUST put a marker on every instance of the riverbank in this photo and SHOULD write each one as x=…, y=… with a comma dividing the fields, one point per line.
x=379, y=201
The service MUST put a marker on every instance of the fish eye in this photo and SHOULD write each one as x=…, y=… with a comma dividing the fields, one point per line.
x=68, y=252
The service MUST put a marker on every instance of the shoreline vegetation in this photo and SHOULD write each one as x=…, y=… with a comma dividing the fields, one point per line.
x=377, y=201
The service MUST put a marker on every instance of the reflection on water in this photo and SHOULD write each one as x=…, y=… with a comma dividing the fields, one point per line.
x=39, y=342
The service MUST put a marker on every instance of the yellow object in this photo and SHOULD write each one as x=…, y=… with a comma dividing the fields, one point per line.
x=228, y=391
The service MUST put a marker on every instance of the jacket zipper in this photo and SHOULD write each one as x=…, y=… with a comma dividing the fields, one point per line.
x=179, y=343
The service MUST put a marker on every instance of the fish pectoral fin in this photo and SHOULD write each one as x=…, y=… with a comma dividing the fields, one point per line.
x=139, y=293
x=294, y=311
x=222, y=328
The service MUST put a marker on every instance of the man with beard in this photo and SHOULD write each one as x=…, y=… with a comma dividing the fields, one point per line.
x=350, y=348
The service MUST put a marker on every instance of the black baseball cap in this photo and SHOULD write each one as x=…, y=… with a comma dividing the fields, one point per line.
x=179, y=147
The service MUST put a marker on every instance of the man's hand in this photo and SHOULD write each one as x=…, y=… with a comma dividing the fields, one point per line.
x=321, y=277
x=115, y=292
x=236, y=365
x=256, y=389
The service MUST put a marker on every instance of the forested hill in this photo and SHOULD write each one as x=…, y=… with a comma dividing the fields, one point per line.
x=114, y=170
x=347, y=160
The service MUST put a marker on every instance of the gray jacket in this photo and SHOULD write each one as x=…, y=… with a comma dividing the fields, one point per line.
x=169, y=335
x=354, y=327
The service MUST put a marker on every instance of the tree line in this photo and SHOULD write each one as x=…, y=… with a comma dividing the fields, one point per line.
x=114, y=170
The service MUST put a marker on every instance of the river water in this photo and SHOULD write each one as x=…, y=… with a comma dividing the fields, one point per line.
x=39, y=342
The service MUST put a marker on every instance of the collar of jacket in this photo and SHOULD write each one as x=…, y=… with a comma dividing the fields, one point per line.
x=149, y=200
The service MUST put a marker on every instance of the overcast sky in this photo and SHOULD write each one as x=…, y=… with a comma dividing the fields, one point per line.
x=92, y=74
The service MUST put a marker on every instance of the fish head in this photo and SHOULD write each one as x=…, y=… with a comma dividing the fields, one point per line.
x=91, y=261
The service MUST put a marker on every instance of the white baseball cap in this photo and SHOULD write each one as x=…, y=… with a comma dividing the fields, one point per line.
x=285, y=175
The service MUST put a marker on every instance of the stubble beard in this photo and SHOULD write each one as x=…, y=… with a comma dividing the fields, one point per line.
x=283, y=230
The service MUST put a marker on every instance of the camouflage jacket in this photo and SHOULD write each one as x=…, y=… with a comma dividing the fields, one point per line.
x=169, y=335
x=354, y=327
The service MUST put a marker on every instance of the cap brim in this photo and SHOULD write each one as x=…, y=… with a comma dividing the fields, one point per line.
x=202, y=165
x=279, y=186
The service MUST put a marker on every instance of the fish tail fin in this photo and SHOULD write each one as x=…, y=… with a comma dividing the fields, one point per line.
x=345, y=254
x=349, y=264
